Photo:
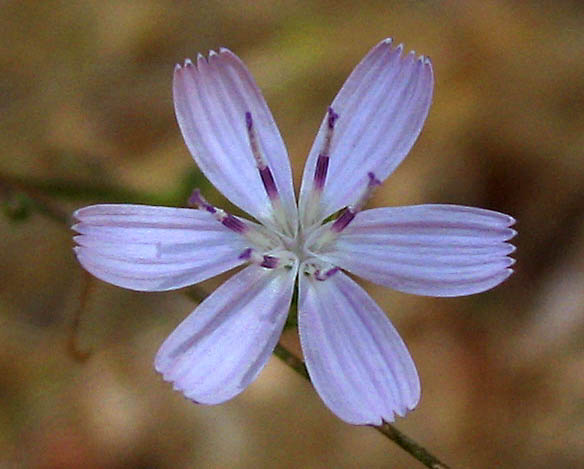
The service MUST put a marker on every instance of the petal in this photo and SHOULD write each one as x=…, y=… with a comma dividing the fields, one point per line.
x=154, y=248
x=434, y=250
x=221, y=347
x=211, y=100
x=357, y=361
x=381, y=107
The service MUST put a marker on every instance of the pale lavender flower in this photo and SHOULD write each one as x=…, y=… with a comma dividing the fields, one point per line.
x=358, y=363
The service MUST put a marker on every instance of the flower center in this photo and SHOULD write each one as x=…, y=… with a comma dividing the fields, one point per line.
x=272, y=250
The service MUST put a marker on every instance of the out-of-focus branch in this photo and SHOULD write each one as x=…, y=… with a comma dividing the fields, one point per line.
x=73, y=343
x=14, y=191
x=388, y=430
x=37, y=194
x=79, y=191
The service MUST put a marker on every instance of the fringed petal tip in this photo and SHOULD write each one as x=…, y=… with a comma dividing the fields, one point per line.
x=81, y=213
x=188, y=62
x=179, y=387
x=222, y=346
x=379, y=113
x=147, y=248
x=388, y=417
x=215, y=100
x=388, y=43
x=358, y=363
x=429, y=250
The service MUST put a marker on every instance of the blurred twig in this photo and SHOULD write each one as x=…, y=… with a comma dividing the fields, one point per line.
x=84, y=191
x=35, y=197
x=388, y=430
x=73, y=343
x=36, y=191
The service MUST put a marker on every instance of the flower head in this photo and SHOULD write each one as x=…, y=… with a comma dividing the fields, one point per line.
x=358, y=363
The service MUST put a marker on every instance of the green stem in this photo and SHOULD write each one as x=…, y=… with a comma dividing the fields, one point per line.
x=386, y=429
x=33, y=197
x=73, y=190
x=38, y=201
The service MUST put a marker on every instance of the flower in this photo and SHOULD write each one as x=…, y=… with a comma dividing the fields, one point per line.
x=357, y=362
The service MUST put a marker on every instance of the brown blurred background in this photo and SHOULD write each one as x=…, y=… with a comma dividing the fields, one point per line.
x=86, y=116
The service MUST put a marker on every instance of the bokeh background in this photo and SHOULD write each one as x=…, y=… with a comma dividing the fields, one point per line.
x=86, y=116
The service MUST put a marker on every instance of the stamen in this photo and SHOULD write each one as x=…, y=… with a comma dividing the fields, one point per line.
x=269, y=183
x=228, y=220
x=332, y=117
x=373, y=181
x=253, y=142
x=258, y=235
x=311, y=210
x=246, y=255
x=344, y=219
x=266, y=176
x=320, y=172
x=198, y=201
x=322, y=276
x=319, y=271
x=270, y=262
x=263, y=260
x=349, y=213
x=261, y=163
x=322, y=162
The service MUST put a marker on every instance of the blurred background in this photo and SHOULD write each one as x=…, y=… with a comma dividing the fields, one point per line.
x=86, y=116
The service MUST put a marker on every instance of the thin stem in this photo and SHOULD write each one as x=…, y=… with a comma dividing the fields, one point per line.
x=34, y=197
x=73, y=343
x=386, y=429
x=409, y=445
x=39, y=202
x=73, y=190
x=291, y=360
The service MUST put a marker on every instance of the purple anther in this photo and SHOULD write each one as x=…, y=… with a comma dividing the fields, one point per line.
x=261, y=163
x=320, y=172
x=322, y=163
x=322, y=276
x=343, y=220
x=270, y=262
x=269, y=183
x=246, y=254
x=332, y=118
x=248, y=121
x=253, y=142
x=373, y=181
x=234, y=224
x=197, y=200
